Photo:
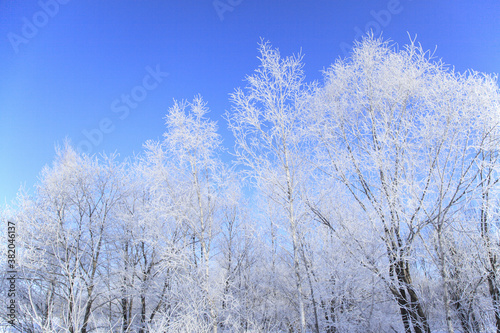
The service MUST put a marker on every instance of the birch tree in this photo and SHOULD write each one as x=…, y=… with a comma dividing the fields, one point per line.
x=192, y=142
x=266, y=120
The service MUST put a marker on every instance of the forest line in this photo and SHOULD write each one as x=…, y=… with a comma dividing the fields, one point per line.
x=365, y=203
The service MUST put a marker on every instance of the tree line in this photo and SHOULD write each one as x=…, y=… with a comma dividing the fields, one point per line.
x=365, y=203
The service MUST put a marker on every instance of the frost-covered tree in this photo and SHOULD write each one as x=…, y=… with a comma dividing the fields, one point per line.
x=192, y=178
x=404, y=135
x=267, y=123
x=65, y=241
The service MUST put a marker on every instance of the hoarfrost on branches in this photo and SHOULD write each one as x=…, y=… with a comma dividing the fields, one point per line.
x=367, y=203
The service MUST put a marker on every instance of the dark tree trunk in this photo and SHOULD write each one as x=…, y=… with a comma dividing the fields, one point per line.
x=495, y=294
x=143, y=314
x=330, y=316
x=410, y=307
x=125, y=319
x=403, y=309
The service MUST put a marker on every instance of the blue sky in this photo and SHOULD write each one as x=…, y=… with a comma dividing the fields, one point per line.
x=104, y=73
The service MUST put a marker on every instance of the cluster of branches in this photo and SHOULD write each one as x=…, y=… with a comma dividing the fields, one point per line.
x=368, y=203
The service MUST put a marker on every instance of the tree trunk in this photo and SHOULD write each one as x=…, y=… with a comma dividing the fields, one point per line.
x=296, y=265
x=495, y=294
x=330, y=316
x=71, y=308
x=86, y=317
x=444, y=276
x=417, y=314
x=309, y=274
x=492, y=277
x=295, y=242
x=143, y=314
x=410, y=308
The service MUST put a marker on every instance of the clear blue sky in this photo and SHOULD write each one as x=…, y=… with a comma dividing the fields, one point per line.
x=67, y=66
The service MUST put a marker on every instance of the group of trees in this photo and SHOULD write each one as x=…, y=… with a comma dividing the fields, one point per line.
x=368, y=203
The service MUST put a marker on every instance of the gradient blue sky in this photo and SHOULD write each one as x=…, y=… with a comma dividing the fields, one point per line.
x=68, y=73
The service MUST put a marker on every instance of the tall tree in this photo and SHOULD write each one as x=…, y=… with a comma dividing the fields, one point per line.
x=266, y=121
x=402, y=132
x=192, y=142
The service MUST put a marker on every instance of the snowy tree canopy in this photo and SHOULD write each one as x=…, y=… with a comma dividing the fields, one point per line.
x=365, y=203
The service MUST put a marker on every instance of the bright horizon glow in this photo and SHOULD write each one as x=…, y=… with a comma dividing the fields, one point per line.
x=74, y=69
